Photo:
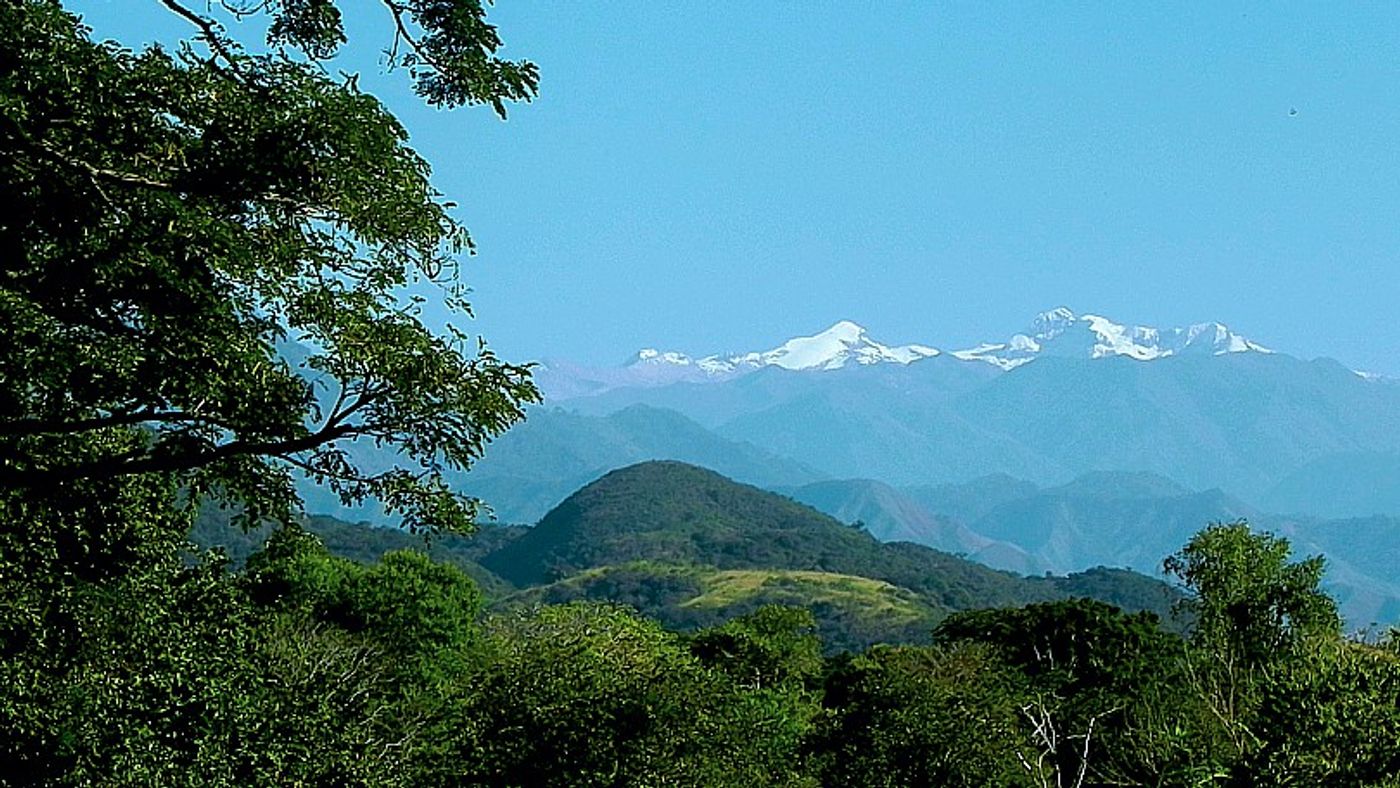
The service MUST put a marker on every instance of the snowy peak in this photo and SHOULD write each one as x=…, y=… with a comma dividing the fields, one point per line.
x=648, y=355
x=1060, y=332
x=834, y=348
x=1048, y=325
x=842, y=344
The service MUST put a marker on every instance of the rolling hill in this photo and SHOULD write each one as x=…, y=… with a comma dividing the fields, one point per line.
x=673, y=514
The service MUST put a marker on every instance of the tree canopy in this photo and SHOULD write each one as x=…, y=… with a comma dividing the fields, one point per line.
x=206, y=259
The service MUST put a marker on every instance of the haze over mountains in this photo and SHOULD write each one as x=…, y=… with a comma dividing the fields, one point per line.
x=1075, y=442
x=1070, y=394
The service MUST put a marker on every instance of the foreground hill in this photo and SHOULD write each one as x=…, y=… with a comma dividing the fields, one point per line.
x=671, y=513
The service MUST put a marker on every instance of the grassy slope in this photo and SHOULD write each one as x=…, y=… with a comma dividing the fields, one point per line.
x=852, y=612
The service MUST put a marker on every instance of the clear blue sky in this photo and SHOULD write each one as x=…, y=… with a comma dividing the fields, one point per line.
x=721, y=177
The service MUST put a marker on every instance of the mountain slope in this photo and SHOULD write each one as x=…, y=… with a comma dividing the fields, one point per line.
x=1092, y=522
x=852, y=613
x=538, y=463
x=1349, y=484
x=716, y=402
x=1136, y=519
x=1362, y=556
x=893, y=516
x=1238, y=421
x=890, y=437
x=886, y=513
x=970, y=500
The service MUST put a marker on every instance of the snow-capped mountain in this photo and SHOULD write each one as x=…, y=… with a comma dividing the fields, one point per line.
x=844, y=343
x=1061, y=332
x=1058, y=332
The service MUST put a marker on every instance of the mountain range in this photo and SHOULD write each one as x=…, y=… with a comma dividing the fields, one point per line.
x=692, y=548
x=1070, y=394
x=1075, y=442
x=1057, y=332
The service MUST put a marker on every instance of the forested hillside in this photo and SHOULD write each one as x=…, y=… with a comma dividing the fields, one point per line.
x=678, y=514
x=691, y=548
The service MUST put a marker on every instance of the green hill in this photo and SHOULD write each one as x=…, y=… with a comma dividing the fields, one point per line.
x=678, y=514
x=692, y=548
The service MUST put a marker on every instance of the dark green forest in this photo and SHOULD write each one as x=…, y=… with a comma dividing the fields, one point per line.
x=174, y=220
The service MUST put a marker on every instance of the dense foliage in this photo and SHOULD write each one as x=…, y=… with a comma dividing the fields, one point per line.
x=205, y=260
x=305, y=666
x=172, y=218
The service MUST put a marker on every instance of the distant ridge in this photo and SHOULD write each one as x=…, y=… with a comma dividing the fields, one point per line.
x=1057, y=332
x=540, y=462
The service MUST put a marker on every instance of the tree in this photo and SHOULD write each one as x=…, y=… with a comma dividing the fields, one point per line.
x=772, y=647
x=1332, y=717
x=1103, y=701
x=212, y=265
x=172, y=675
x=1247, y=598
x=204, y=257
x=420, y=613
x=1256, y=617
x=591, y=694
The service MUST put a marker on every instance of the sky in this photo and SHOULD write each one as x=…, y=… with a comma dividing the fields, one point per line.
x=721, y=177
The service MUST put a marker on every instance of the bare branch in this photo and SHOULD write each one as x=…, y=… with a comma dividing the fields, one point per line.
x=402, y=33
x=209, y=32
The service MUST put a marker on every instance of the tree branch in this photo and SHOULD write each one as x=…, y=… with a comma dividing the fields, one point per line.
x=24, y=427
x=121, y=178
x=208, y=31
x=151, y=462
x=402, y=33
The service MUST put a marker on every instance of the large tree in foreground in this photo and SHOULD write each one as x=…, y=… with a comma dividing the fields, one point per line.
x=212, y=261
